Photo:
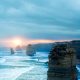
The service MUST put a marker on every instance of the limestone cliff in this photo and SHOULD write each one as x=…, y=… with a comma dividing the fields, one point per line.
x=62, y=63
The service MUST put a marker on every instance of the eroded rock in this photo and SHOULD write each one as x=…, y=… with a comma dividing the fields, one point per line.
x=62, y=63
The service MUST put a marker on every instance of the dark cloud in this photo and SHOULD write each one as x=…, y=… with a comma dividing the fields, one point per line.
x=51, y=19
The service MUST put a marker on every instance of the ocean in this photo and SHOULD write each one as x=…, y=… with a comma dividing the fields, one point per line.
x=22, y=67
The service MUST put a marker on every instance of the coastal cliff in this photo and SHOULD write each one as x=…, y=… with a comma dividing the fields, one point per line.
x=62, y=63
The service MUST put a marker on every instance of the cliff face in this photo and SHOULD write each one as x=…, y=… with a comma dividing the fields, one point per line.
x=44, y=47
x=62, y=63
x=76, y=45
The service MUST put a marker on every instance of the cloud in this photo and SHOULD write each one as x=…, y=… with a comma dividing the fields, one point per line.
x=51, y=19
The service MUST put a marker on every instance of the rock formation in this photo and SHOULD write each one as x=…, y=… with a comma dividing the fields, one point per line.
x=12, y=51
x=76, y=45
x=62, y=63
x=30, y=51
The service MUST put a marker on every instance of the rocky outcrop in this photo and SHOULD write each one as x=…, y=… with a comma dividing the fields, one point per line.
x=30, y=51
x=12, y=51
x=62, y=63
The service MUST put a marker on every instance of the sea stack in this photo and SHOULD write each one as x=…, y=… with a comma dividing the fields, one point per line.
x=62, y=63
x=30, y=51
x=12, y=51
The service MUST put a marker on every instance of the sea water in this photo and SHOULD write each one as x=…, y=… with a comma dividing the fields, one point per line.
x=25, y=68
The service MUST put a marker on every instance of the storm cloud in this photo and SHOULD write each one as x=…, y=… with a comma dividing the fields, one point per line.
x=40, y=19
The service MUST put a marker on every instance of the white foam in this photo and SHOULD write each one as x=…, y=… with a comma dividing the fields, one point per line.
x=23, y=71
x=2, y=60
x=12, y=74
x=78, y=68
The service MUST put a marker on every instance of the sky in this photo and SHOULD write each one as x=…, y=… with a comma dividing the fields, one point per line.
x=40, y=19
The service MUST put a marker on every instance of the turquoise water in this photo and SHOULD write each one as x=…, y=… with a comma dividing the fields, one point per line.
x=25, y=68
x=15, y=67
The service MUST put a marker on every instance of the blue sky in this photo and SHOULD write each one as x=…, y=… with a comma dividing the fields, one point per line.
x=40, y=19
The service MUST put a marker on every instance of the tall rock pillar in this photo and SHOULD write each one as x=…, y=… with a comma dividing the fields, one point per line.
x=62, y=63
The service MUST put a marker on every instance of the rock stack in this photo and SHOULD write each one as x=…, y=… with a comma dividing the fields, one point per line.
x=62, y=63
x=30, y=51
x=12, y=51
